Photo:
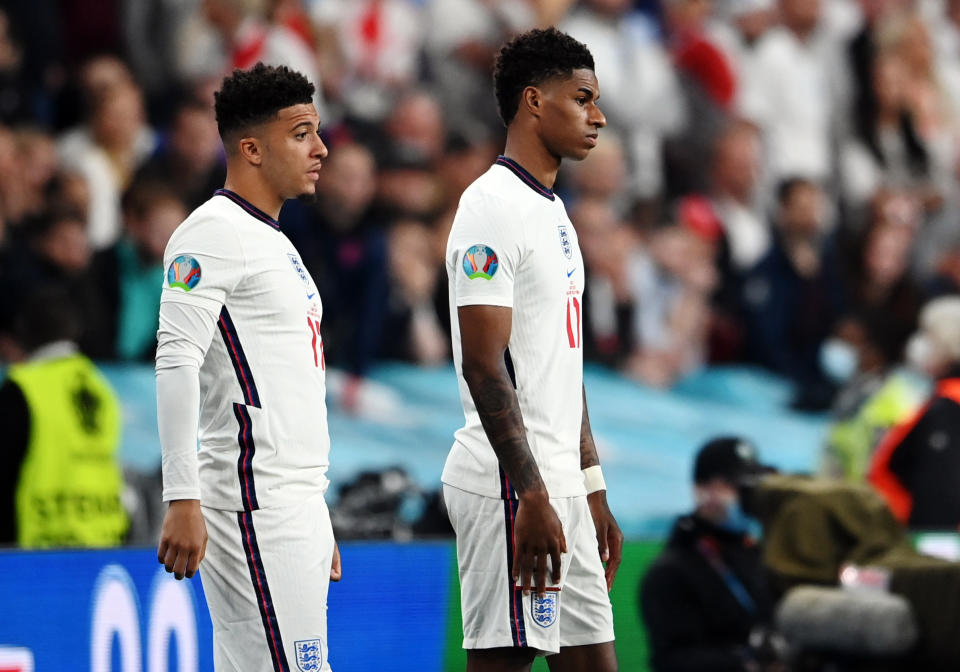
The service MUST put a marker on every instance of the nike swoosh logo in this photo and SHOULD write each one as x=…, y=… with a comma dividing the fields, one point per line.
x=310, y=296
x=571, y=272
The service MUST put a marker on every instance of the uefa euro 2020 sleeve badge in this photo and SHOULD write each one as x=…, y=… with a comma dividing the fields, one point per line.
x=183, y=273
x=480, y=261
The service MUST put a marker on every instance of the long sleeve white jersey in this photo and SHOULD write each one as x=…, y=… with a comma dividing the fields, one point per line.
x=240, y=313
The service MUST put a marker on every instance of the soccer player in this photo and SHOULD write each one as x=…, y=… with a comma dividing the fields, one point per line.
x=239, y=351
x=522, y=481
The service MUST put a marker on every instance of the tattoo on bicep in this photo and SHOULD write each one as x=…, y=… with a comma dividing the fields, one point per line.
x=499, y=410
x=588, y=449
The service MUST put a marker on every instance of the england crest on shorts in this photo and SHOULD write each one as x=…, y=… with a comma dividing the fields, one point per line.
x=565, y=244
x=543, y=608
x=309, y=655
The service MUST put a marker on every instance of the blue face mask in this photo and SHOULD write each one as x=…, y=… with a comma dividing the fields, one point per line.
x=838, y=359
x=737, y=521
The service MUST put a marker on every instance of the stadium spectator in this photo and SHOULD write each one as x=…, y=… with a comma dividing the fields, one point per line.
x=60, y=478
x=413, y=330
x=189, y=158
x=791, y=92
x=107, y=150
x=129, y=273
x=607, y=245
x=790, y=298
x=602, y=175
x=460, y=44
x=642, y=98
x=917, y=466
x=379, y=51
x=672, y=280
x=705, y=601
x=874, y=395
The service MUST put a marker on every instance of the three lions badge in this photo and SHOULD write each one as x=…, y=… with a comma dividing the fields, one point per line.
x=544, y=608
x=309, y=655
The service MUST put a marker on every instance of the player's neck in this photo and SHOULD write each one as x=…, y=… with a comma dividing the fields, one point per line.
x=534, y=158
x=254, y=191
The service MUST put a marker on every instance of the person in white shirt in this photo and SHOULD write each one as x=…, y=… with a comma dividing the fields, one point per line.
x=522, y=482
x=240, y=361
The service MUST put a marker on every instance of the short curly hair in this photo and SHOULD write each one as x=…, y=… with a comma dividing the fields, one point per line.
x=251, y=97
x=532, y=58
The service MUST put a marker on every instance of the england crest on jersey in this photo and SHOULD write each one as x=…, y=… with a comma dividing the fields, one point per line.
x=565, y=243
x=543, y=608
x=298, y=267
x=309, y=655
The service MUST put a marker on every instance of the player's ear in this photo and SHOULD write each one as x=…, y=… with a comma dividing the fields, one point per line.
x=532, y=100
x=251, y=150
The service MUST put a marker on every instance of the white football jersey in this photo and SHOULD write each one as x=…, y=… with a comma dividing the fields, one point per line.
x=513, y=245
x=263, y=438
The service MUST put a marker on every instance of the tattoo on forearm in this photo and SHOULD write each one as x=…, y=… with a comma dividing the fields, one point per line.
x=499, y=410
x=588, y=449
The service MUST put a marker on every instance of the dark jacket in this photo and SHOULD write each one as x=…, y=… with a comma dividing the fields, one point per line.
x=694, y=620
x=916, y=467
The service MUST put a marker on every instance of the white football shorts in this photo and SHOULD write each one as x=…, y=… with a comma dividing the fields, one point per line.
x=496, y=613
x=266, y=575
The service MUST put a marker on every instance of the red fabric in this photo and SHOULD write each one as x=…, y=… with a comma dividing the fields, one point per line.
x=247, y=53
x=883, y=479
x=703, y=61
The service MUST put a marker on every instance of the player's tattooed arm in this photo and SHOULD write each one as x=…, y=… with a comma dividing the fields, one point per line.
x=588, y=449
x=484, y=336
x=499, y=410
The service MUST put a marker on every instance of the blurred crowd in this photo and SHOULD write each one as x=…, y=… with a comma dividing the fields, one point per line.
x=777, y=183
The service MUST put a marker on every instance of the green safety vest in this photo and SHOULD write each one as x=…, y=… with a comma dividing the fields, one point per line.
x=68, y=493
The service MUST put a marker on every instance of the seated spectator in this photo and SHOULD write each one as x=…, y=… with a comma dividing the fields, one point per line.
x=790, y=298
x=151, y=212
x=190, y=159
x=672, y=280
x=607, y=245
x=60, y=479
x=107, y=151
x=917, y=465
x=413, y=329
x=861, y=357
x=704, y=600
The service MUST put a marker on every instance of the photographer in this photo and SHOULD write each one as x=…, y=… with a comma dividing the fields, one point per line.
x=705, y=600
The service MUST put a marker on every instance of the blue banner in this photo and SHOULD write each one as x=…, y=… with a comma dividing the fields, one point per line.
x=119, y=611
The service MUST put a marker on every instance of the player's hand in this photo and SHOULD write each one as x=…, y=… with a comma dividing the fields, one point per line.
x=183, y=539
x=336, y=571
x=537, y=535
x=609, y=536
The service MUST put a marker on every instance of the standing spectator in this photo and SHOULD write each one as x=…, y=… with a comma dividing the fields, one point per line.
x=791, y=92
x=917, y=465
x=60, y=479
x=790, y=298
x=642, y=98
x=705, y=600
x=190, y=158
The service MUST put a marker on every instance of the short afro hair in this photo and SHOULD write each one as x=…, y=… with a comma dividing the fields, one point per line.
x=251, y=97
x=531, y=59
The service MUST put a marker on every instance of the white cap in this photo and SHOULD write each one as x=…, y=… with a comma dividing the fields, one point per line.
x=940, y=327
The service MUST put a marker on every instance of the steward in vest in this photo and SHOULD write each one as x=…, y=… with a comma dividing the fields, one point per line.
x=60, y=481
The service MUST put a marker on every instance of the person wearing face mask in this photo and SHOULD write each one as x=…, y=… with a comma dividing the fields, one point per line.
x=874, y=393
x=916, y=467
x=705, y=600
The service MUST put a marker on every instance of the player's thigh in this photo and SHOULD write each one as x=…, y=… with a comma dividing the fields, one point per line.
x=500, y=660
x=586, y=615
x=593, y=657
x=496, y=613
x=266, y=576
